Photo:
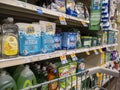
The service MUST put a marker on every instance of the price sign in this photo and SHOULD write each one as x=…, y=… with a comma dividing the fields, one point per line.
x=87, y=52
x=62, y=20
x=73, y=56
x=96, y=52
x=100, y=50
x=63, y=59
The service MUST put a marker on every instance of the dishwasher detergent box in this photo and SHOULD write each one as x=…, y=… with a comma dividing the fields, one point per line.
x=58, y=41
x=47, y=43
x=29, y=38
x=69, y=40
x=48, y=32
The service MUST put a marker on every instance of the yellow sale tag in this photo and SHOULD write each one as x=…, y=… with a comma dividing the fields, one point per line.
x=73, y=55
x=62, y=20
x=100, y=50
x=63, y=57
x=87, y=52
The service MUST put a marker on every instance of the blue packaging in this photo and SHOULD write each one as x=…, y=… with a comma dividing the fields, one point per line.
x=48, y=32
x=29, y=39
x=71, y=12
x=47, y=43
x=69, y=40
x=58, y=42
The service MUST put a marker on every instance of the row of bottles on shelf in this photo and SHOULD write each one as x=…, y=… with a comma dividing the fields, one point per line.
x=28, y=39
x=69, y=7
x=26, y=76
x=23, y=76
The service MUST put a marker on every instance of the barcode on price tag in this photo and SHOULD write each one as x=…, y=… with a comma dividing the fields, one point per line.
x=73, y=56
x=63, y=59
x=62, y=20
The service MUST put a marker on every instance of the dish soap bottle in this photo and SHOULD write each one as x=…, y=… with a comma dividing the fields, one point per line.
x=9, y=38
x=52, y=74
x=26, y=79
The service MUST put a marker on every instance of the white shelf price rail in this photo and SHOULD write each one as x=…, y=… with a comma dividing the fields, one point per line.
x=39, y=57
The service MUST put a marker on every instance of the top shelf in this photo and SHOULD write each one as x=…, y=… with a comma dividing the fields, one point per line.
x=26, y=11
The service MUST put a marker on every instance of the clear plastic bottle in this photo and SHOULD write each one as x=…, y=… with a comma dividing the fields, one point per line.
x=9, y=39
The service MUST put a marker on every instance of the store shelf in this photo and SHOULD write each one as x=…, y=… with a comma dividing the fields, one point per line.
x=32, y=12
x=39, y=57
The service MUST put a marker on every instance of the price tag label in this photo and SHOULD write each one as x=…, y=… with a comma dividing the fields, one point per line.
x=62, y=20
x=87, y=52
x=73, y=56
x=96, y=52
x=84, y=24
x=100, y=50
x=63, y=59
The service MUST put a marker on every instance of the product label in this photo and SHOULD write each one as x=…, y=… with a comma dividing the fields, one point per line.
x=49, y=28
x=57, y=41
x=73, y=67
x=10, y=45
x=87, y=43
x=64, y=71
x=27, y=83
x=30, y=30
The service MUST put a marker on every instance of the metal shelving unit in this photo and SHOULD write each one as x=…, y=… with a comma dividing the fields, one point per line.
x=28, y=12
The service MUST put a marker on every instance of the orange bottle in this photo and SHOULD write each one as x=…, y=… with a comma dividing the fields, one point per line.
x=52, y=74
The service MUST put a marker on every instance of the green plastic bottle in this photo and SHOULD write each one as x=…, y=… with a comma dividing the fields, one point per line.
x=7, y=82
x=26, y=79
x=17, y=72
